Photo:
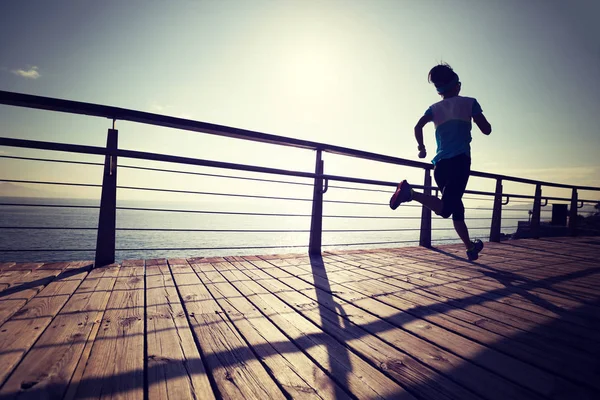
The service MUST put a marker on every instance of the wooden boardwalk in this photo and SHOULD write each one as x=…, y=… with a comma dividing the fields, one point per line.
x=411, y=323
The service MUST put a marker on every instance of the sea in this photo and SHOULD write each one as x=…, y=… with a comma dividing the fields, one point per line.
x=43, y=230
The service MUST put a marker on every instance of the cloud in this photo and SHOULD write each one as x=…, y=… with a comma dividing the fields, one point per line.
x=31, y=73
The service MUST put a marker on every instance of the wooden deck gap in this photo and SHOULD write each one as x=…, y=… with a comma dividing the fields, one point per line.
x=145, y=379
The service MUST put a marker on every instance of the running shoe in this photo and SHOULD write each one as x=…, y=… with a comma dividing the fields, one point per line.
x=402, y=195
x=473, y=252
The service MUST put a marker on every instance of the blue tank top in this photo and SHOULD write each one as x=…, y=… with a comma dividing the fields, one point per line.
x=452, y=120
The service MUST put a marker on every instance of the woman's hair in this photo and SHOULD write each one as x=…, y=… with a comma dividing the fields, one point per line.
x=443, y=77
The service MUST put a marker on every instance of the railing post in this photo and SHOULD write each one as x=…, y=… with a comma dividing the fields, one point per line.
x=105, y=243
x=497, y=213
x=573, y=214
x=316, y=221
x=537, y=208
x=425, y=237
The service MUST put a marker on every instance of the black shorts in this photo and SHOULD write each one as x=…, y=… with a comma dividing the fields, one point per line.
x=451, y=176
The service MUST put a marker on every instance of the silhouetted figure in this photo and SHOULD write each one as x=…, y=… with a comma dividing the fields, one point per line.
x=452, y=162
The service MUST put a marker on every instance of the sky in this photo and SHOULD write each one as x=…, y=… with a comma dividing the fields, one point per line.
x=350, y=73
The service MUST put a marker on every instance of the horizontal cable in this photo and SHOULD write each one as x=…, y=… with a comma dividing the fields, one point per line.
x=209, y=248
x=47, y=227
x=213, y=175
x=211, y=212
x=367, y=216
x=257, y=214
x=218, y=230
x=29, y=250
x=46, y=205
x=367, y=203
x=198, y=211
x=52, y=160
x=51, y=183
x=251, y=196
x=210, y=193
x=479, y=198
x=355, y=188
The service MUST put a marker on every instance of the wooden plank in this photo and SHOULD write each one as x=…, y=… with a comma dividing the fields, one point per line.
x=292, y=369
x=40, y=276
x=47, y=369
x=175, y=368
x=235, y=369
x=19, y=333
x=351, y=372
x=115, y=368
x=9, y=276
x=110, y=273
x=23, y=285
x=17, y=272
x=24, y=267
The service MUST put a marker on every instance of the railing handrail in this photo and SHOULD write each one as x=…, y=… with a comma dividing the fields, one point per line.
x=123, y=114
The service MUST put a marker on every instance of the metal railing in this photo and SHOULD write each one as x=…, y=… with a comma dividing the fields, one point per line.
x=106, y=230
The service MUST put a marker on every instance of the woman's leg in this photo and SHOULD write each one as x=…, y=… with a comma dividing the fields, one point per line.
x=434, y=203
